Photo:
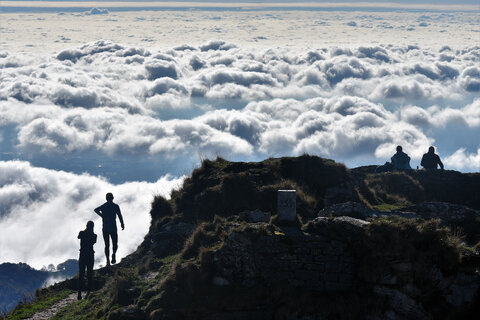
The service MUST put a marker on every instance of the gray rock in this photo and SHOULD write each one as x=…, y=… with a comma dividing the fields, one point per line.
x=402, y=304
x=360, y=211
x=388, y=279
x=340, y=228
x=255, y=216
x=411, y=290
x=448, y=212
x=350, y=208
x=401, y=266
x=170, y=238
x=339, y=194
x=219, y=281
x=462, y=289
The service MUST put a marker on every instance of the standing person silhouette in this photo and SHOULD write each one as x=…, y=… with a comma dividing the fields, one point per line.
x=87, y=239
x=109, y=211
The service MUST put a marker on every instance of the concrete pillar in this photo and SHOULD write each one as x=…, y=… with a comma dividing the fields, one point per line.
x=287, y=205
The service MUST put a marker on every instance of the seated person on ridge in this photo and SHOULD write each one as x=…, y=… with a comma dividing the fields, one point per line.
x=430, y=160
x=400, y=160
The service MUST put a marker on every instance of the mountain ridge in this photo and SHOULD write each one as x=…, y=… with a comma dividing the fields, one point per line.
x=214, y=252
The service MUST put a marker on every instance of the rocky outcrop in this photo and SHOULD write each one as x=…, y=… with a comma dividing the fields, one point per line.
x=310, y=261
x=350, y=209
x=168, y=239
x=330, y=255
x=401, y=305
x=446, y=212
x=255, y=216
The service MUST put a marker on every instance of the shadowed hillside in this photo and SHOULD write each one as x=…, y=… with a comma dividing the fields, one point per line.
x=399, y=245
x=18, y=281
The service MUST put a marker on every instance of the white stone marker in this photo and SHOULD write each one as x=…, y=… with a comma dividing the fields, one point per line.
x=287, y=205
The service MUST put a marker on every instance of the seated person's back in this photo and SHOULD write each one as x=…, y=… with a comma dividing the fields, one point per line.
x=400, y=160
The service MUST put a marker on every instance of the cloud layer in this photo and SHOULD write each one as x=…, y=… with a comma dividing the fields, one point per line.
x=43, y=210
x=219, y=99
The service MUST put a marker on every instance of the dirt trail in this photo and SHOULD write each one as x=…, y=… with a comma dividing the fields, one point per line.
x=50, y=312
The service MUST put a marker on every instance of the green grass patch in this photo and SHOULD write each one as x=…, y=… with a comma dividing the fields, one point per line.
x=92, y=308
x=166, y=267
x=23, y=311
x=387, y=207
x=123, y=287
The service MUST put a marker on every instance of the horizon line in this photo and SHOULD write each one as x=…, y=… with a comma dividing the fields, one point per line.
x=242, y=5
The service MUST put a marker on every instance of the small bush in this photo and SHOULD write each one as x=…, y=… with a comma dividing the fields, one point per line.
x=395, y=188
x=161, y=207
x=422, y=244
x=206, y=235
x=122, y=290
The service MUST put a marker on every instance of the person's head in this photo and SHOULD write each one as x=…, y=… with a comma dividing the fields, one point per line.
x=431, y=150
x=90, y=225
x=109, y=196
x=399, y=149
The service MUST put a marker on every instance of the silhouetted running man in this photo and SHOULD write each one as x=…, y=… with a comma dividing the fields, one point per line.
x=430, y=160
x=109, y=211
x=87, y=239
x=400, y=160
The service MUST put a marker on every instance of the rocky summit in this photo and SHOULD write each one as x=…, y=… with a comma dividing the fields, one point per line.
x=361, y=245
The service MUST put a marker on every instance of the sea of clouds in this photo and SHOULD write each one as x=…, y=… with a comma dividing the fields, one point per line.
x=220, y=99
x=111, y=115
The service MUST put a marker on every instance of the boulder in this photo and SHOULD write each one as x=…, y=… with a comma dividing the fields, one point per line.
x=444, y=211
x=340, y=228
x=360, y=211
x=402, y=304
x=351, y=209
x=461, y=289
x=255, y=216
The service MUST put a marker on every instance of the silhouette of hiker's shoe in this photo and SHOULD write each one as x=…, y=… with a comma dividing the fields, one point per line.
x=79, y=297
x=88, y=294
x=113, y=259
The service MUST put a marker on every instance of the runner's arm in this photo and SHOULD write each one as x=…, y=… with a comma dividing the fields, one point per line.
x=119, y=213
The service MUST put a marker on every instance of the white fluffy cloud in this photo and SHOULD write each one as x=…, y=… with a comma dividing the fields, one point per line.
x=462, y=159
x=43, y=210
x=221, y=99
